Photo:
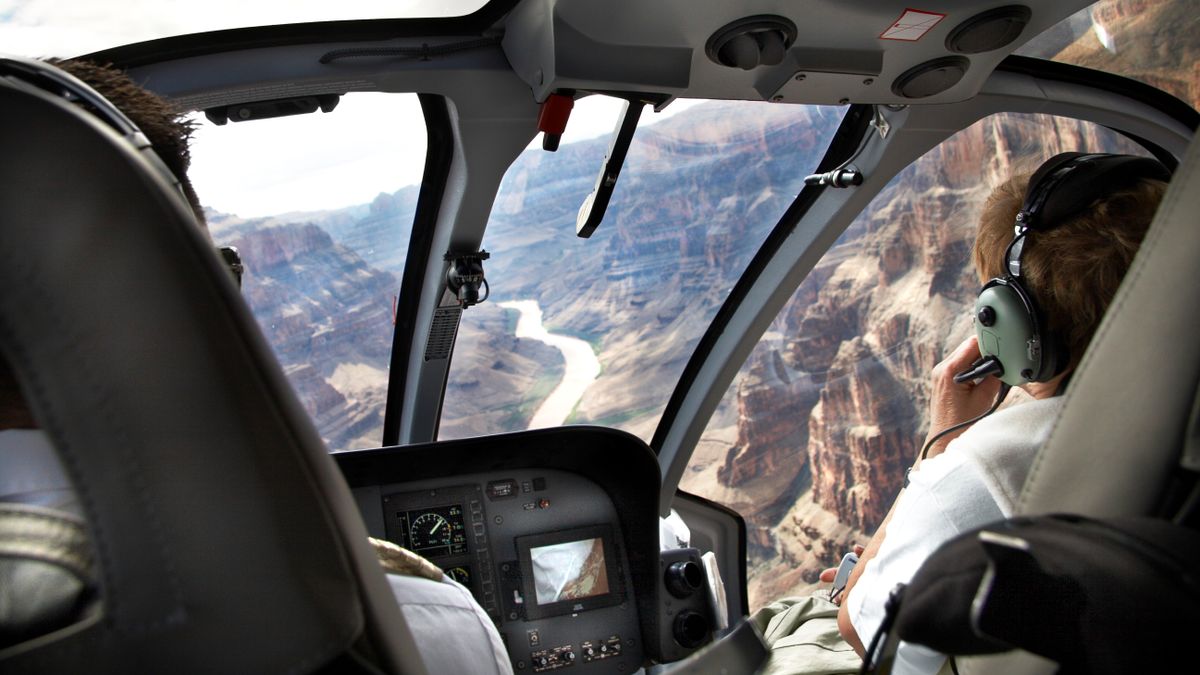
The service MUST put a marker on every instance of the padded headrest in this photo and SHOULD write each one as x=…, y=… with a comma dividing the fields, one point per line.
x=225, y=538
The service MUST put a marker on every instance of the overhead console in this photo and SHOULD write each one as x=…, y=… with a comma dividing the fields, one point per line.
x=554, y=531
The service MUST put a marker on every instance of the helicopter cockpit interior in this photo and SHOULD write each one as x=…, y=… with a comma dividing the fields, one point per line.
x=625, y=387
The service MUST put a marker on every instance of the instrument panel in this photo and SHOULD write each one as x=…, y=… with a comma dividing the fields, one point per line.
x=542, y=552
x=529, y=522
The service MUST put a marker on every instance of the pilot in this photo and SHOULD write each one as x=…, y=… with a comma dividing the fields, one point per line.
x=35, y=600
x=975, y=475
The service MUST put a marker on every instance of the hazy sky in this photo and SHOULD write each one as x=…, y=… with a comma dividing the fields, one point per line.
x=371, y=143
x=302, y=163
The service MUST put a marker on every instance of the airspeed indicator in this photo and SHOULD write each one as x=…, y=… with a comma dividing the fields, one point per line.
x=429, y=530
x=434, y=532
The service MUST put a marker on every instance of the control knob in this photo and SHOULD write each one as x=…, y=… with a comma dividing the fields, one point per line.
x=684, y=578
x=690, y=629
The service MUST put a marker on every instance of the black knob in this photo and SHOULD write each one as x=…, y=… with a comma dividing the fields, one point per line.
x=684, y=578
x=987, y=316
x=690, y=629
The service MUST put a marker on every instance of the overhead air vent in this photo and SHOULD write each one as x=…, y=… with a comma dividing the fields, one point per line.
x=988, y=30
x=752, y=42
x=931, y=77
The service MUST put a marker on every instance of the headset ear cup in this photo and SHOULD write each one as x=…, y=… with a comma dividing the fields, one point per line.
x=1007, y=330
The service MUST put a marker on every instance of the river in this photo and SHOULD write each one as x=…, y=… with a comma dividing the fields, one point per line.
x=582, y=366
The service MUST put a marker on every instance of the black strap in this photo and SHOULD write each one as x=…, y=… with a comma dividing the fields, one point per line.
x=878, y=658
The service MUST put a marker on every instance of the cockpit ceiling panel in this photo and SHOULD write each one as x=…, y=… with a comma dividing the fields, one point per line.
x=842, y=51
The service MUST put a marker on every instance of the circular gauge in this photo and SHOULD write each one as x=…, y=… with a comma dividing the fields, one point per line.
x=429, y=530
x=460, y=574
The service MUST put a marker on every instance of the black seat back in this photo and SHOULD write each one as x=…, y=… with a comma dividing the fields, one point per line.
x=225, y=539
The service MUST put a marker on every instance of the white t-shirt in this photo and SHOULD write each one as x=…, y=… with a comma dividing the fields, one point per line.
x=976, y=481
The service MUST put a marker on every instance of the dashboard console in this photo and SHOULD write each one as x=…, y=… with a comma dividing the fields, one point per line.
x=554, y=531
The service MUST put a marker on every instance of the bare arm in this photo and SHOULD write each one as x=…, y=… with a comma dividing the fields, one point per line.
x=844, y=626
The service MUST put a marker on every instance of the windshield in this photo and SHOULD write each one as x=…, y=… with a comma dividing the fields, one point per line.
x=1154, y=41
x=323, y=228
x=598, y=330
x=56, y=28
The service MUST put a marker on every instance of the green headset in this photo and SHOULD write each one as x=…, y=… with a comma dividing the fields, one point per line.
x=1013, y=338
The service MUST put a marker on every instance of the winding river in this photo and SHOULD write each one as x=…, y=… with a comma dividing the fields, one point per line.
x=582, y=366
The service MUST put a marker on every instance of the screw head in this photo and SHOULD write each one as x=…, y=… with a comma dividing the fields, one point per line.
x=776, y=98
x=800, y=77
x=869, y=80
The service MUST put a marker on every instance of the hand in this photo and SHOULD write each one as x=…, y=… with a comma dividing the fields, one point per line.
x=828, y=574
x=951, y=403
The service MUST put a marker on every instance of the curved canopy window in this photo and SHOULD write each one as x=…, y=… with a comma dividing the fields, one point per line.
x=1153, y=41
x=598, y=331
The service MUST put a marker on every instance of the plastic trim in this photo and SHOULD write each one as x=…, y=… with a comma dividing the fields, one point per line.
x=438, y=158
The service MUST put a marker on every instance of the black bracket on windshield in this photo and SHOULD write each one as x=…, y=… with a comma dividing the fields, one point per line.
x=596, y=204
x=465, y=277
x=280, y=107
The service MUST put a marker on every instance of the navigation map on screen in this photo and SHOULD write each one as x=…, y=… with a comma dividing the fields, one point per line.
x=568, y=571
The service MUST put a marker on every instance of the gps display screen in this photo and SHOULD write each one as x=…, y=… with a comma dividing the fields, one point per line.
x=569, y=571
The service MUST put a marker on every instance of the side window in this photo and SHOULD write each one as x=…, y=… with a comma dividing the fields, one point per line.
x=811, y=442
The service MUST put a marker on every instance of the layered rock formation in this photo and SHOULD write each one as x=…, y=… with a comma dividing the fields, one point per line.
x=327, y=315
x=862, y=433
x=697, y=197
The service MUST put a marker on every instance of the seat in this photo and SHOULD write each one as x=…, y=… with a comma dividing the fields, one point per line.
x=225, y=538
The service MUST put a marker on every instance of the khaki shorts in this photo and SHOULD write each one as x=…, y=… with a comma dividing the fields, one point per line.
x=803, y=636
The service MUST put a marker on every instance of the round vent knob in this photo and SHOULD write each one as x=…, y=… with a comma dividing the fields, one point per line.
x=690, y=629
x=684, y=578
x=752, y=42
x=988, y=30
x=931, y=77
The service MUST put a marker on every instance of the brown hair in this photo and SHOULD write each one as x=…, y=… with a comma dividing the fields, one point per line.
x=163, y=125
x=1073, y=269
